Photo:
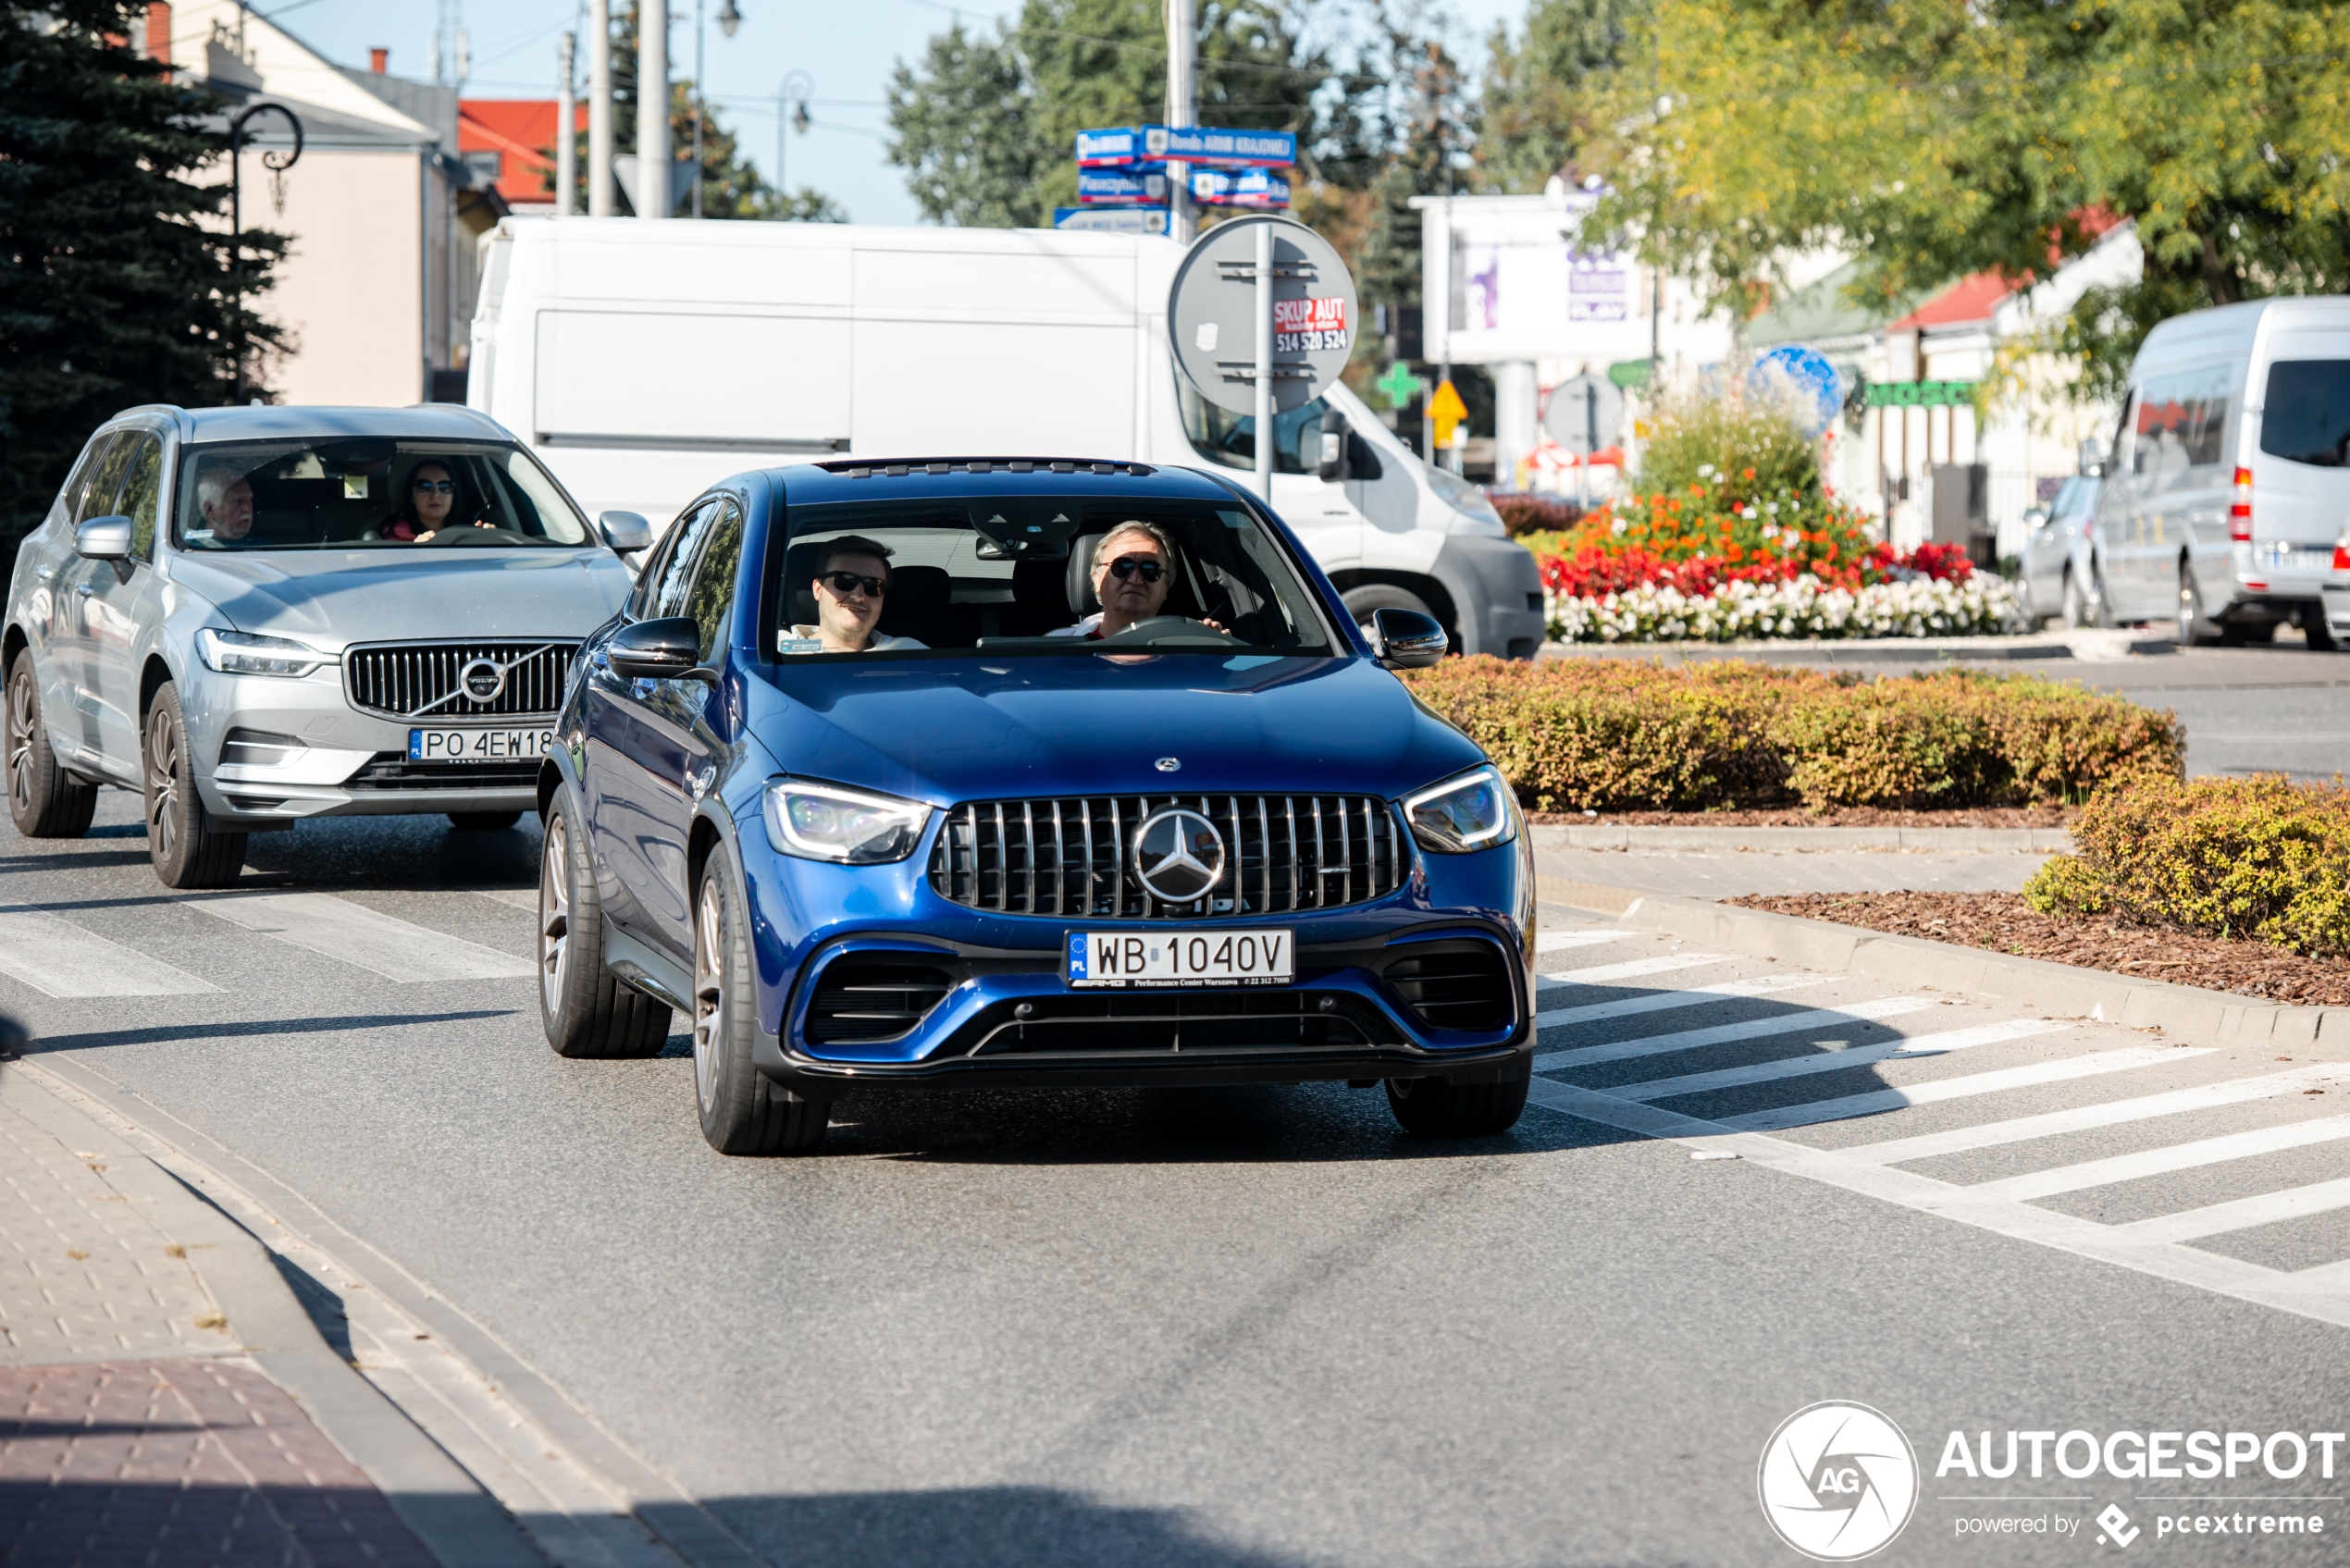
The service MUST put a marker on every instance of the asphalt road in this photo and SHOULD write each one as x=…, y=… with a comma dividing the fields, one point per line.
x=1261, y=1327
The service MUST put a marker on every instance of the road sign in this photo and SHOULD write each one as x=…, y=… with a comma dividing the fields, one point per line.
x=1585, y=414
x=1400, y=386
x=1217, y=144
x=1244, y=187
x=1445, y=410
x=1262, y=317
x=1112, y=220
x=1129, y=185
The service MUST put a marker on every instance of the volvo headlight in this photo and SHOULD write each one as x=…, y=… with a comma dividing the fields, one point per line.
x=822, y=822
x=1471, y=812
x=243, y=653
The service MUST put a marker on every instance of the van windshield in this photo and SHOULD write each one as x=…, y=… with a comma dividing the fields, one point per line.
x=369, y=492
x=2309, y=412
x=1026, y=576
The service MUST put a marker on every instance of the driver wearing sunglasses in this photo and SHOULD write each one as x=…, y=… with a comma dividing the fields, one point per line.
x=850, y=586
x=1131, y=570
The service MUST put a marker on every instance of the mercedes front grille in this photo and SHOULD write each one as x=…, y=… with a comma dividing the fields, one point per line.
x=422, y=680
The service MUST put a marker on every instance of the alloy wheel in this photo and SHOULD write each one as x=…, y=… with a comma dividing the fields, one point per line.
x=710, y=988
x=2190, y=607
x=554, y=912
x=22, y=720
x=163, y=784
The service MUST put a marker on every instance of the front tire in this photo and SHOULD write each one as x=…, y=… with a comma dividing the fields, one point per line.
x=2195, y=628
x=188, y=851
x=742, y=1111
x=44, y=801
x=586, y=1013
x=1430, y=1107
x=2082, y=610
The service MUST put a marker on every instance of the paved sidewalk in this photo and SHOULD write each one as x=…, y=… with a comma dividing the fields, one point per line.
x=132, y=1429
x=1731, y=874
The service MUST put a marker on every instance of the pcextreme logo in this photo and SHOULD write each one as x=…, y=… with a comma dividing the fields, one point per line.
x=1837, y=1481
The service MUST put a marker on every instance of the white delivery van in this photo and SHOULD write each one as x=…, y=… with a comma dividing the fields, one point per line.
x=641, y=361
x=2227, y=495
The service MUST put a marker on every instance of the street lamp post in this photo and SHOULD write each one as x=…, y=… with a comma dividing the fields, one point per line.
x=791, y=114
x=276, y=163
x=729, y=19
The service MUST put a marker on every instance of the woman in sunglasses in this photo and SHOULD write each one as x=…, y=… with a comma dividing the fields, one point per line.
x=849, y=588
x=432, y=496
x=1132, y=569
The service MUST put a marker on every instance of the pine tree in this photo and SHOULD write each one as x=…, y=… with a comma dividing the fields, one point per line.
x=116, y=287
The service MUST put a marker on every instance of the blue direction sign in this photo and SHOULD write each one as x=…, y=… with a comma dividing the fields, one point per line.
x=1246, y=188
x=1141, y=183
x=1112, y=220
x=1192, y=144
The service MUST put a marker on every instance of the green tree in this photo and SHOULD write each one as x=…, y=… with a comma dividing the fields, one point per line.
x=1546, y=92
x=116, y=288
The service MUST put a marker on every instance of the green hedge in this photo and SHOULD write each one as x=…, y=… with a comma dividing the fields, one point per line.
x=1612, y=734
x=2260, y=857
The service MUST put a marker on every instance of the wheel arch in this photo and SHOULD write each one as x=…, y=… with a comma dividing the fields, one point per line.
x=13, y=641
x=152, y=674
x=704, y=837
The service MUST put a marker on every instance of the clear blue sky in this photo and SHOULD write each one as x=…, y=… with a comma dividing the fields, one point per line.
x=850, y=49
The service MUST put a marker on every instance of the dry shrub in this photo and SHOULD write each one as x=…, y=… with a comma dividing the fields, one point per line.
x=1624, y=734
x=2260, y=857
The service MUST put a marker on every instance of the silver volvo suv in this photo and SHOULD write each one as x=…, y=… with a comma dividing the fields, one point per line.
x=255, y=615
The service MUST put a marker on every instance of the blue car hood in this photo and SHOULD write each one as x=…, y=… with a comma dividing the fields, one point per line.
x=953, y=730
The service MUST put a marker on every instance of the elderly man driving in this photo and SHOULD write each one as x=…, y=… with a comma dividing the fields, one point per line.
x=1132, y=569
x=225, y=497
x=849, y=585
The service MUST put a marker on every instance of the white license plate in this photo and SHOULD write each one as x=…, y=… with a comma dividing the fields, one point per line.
x=479, y=746
x=1162, y=958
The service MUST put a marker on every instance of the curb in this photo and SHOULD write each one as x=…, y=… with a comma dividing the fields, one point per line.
x=2088, y=646
x=2182, y=1011
x=1977, y=840
x=457, y=1521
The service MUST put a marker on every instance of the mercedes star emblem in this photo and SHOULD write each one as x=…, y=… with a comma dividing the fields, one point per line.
x=1168, y=764
x=1178, y=856
x=482, y=680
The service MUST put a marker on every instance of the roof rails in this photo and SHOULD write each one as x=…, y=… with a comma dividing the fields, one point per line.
x=868, y=470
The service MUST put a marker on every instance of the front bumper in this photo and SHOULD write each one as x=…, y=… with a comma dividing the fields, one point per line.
x=1497, y=593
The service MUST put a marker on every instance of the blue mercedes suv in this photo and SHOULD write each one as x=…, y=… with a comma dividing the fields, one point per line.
x=1023, y=771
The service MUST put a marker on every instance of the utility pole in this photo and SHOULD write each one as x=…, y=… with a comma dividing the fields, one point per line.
x=566, y=131
x=599, y=188
x=702, y=92
x=1183, y=108
x=652, y=108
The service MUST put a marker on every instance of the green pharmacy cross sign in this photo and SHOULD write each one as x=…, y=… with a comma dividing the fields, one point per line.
x=1400, y=385
x=1920, y=394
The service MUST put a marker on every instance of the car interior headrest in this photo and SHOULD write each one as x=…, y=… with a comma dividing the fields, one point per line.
x=916, y=602
x=1079, y=579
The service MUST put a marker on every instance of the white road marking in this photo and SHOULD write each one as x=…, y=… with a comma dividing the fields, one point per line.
x=1723, y=1033
x=1600, y=974
x=512, y=897
x=2242, y=1214
x=58, y=958
x=2161, y=1162
x=350, y=933
x=1560, y=940
x=1668, y=1000
x=2083, y=1118
x=1835, y=1061
x=1881, y=1099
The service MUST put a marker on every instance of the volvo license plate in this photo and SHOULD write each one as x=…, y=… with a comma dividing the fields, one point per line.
x=479, y=746
x=1164, y=958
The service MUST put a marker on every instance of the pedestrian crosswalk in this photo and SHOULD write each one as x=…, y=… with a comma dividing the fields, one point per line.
x=1716, y=1087
x=58, y=957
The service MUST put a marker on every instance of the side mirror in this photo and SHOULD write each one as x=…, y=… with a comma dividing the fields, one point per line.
x=625, y=532
x=1333, y=445
x=657, y=650
x=103, y=538
x=1405, y=639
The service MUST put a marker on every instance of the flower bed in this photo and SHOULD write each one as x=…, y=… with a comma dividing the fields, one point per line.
x=1803, y=607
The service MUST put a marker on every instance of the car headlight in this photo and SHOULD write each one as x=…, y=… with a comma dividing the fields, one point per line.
x=1464, y=498
x=822, y=822
x=243, y=653
x=1474, y=812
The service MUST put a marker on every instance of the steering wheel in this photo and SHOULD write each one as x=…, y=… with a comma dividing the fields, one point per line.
x=467, y=533
x=1173, y=631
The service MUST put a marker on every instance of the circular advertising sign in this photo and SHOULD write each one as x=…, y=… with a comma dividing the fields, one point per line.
x=1211, y=313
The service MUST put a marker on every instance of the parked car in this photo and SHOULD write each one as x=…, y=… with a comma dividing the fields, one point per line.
x=1220, y=844
x=2227, y=495
x=2059, y=580
x=257, y=615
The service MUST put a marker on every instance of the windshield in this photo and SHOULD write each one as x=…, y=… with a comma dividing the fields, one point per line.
x=2077, y=497
x=369, y=493
x=1029, y=577
x=1230, y=439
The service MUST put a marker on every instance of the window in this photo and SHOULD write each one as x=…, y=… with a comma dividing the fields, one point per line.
x=77, y=491
x=105, y=485
x=2309, y=412
x=676, y=569
x=369, y=493
x=141, y=487
x=713, y=589
x=2181, y=419
x=1230, y=439
x=487, y=163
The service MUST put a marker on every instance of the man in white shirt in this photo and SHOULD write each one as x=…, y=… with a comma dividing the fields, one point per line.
x=849, y=585
x=1133, y=568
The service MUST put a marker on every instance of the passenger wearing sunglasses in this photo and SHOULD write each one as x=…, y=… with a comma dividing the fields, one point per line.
x=1132, y=569
x=850, y=586
x=432, y=496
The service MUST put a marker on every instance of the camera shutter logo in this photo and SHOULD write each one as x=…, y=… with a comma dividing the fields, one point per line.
x=482, y=679
x=1837, y=1481
x=1178, y=856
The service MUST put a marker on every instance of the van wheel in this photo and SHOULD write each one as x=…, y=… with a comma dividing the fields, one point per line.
x=586, y=1012
x=188, y=851
x=2195, y=628
x=44, y=801
x=742, y=1111
x=1433, y=1108
x=2082, y=609
x=483, y=821
x=1362, y=602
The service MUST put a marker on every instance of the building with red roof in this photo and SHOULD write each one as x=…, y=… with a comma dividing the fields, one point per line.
x=511, y=141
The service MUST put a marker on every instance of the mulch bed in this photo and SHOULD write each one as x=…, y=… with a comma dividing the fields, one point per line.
x=2004, y=923
x=1796, y=817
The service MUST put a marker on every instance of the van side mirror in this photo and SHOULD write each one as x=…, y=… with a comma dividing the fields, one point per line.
x=1334, y=434
x=625, y=532
x=103, y=538
x=1405, y=639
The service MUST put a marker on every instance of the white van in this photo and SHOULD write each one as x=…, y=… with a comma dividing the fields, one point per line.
x=643, y=360
x=2227, y=495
